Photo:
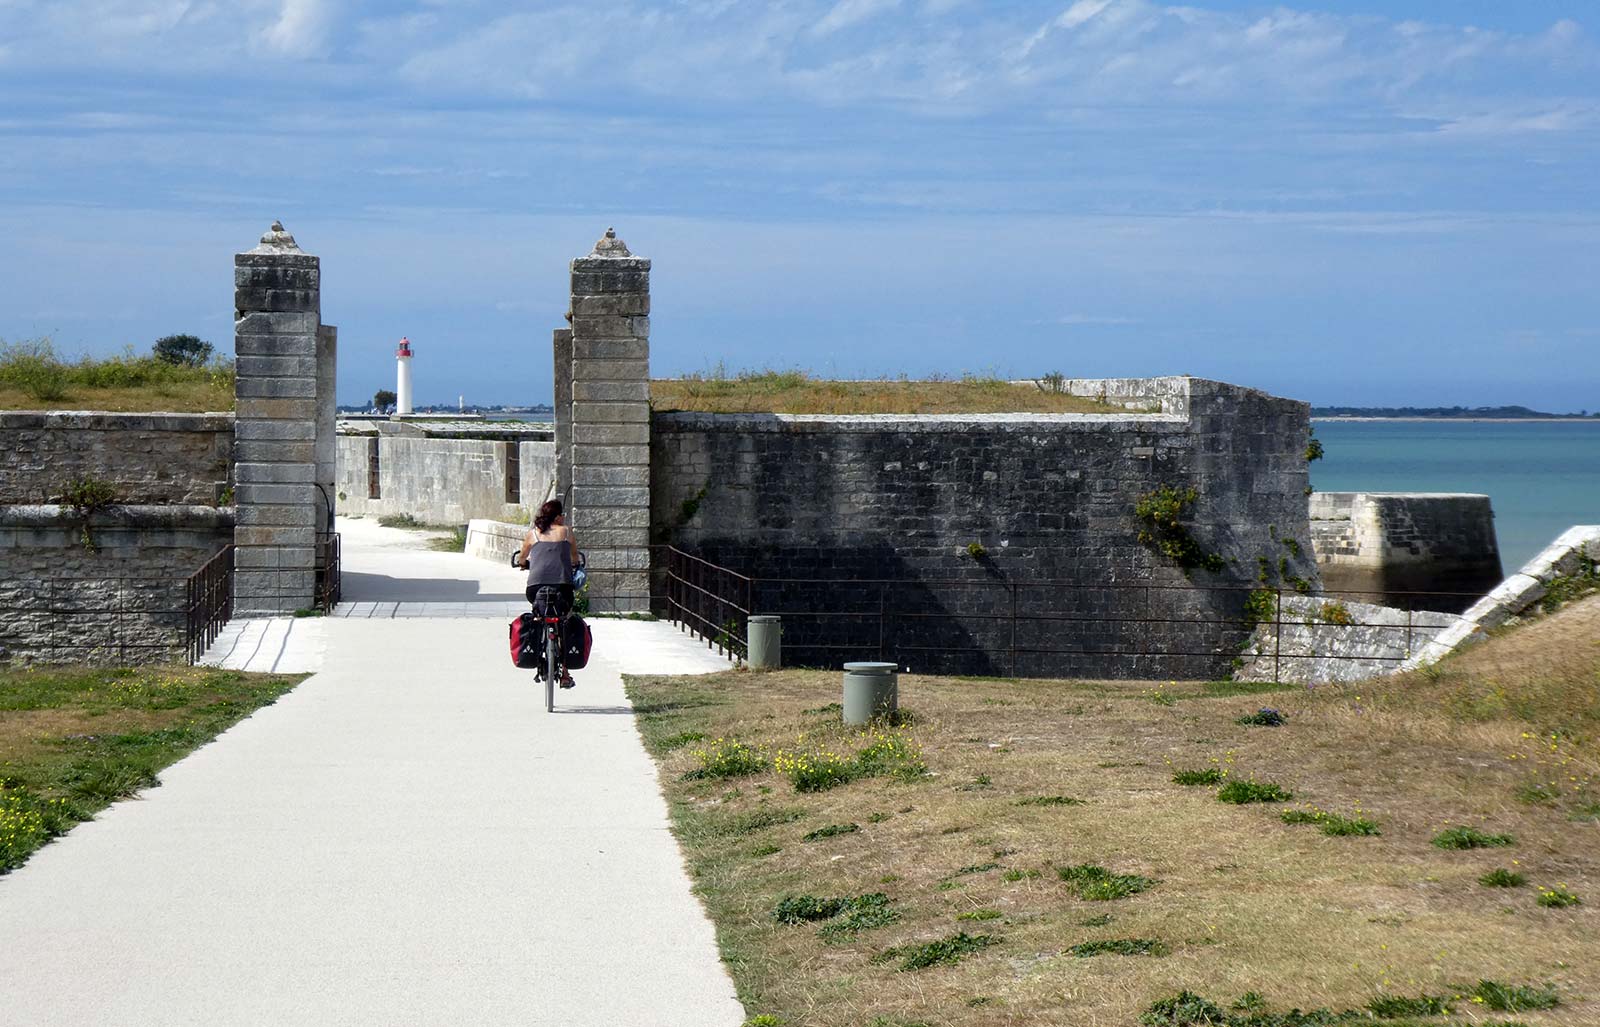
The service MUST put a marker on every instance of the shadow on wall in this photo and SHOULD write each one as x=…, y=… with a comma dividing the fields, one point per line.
x=866, y=602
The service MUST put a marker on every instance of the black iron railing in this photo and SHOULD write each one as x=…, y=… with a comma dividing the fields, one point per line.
x=1049, y=627
x=209, y=603
x=329, y=583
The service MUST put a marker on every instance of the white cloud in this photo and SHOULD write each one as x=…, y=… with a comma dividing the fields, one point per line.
x=301, y=29
x=849, y=12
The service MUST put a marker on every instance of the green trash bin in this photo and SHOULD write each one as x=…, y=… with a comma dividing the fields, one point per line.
x=766, y=642
x=870, y=690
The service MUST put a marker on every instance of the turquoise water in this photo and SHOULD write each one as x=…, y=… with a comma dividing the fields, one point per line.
x=1541, y=477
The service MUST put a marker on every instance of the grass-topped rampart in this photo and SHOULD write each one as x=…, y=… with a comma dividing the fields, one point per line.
x=1411, y=850
x=34, y=376
x=799, y=392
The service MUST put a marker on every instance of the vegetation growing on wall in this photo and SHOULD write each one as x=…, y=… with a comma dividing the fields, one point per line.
x=86, y=497
x=1163, y=515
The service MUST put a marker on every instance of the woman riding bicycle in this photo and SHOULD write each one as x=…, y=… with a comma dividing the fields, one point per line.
x=548, y=552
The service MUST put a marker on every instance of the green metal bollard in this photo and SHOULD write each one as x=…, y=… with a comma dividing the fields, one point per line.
x=766, y=642
x=870, y=690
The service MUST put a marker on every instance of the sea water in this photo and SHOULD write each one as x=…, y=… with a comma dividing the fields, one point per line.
x=1542, y=477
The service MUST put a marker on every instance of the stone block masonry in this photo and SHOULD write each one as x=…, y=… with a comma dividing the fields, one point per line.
x=445, y=481
x=119, y=598
x=997, y=544
x=146, y=458
x=605, y=466
x=1434, y=551
x=278, y=318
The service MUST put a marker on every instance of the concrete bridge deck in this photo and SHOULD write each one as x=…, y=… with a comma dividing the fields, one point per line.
x=407, y=838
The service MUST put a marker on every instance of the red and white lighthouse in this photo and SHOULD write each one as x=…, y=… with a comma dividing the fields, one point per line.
x=402, y=390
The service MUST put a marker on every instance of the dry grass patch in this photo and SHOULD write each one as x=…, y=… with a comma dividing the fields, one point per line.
x=183, y=398
x=795, y=392
x=1236, y=900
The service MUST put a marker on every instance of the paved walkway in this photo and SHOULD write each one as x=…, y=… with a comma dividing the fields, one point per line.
x=407, y=838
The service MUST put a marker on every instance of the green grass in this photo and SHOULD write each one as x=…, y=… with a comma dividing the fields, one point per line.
x=830, y=831
x=1558, y=898
x=1240, y=791
x=1393, y=1007
x=980, y=914
x=74, y=740
x=1332, y=823
x=944, y=952
x=33, y=376
x=1515, y=998
x=1190, y=778
x=1049, y=800
x=1500, y=877
x=1119, y=947
x=862, y=913
x=1097, y=884
x=1470, y=838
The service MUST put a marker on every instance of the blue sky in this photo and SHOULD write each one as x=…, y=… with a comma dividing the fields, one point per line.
x=1355, y=201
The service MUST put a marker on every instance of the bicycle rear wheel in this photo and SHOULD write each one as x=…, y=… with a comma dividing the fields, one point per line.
x=552, y=667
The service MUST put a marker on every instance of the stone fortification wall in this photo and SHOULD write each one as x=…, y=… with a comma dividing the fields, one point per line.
x=1406, y=548
x=443, y=480
x=122, y=601
x=1322, y=638
x=148, y=458
x=1062, y=585
x=1316, y=640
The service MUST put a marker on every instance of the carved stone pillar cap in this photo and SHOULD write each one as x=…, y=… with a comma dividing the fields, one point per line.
x=276, y=240
x=610, y=246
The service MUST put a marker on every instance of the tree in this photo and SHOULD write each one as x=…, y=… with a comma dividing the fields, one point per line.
x=183, y=350
x=383, y=399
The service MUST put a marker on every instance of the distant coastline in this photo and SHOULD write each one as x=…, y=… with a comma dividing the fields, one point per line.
x=1501, y=413
x=1436, y=419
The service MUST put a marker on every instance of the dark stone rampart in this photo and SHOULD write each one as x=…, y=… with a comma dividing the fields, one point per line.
x=858, y=529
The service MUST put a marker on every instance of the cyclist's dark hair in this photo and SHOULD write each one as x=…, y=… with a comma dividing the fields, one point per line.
x=547, y=515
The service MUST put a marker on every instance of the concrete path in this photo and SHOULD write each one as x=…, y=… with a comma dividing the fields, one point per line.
x=407, y=838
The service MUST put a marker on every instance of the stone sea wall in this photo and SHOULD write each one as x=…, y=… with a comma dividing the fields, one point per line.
x=1433, y=551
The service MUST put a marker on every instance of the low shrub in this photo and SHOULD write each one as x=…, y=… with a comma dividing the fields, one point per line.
x=1500, y=877
x=1185, y=1009
x=1206, y=776
x=1097, y=884
x=1240, y=791
x=1470, y=838
x=1266, y=716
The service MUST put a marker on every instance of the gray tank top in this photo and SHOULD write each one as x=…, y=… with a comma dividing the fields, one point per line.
x=550, y=563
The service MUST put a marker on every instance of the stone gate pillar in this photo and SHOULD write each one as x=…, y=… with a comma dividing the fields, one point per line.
x=277, y=303
x=610, y=417
x=562, y=343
